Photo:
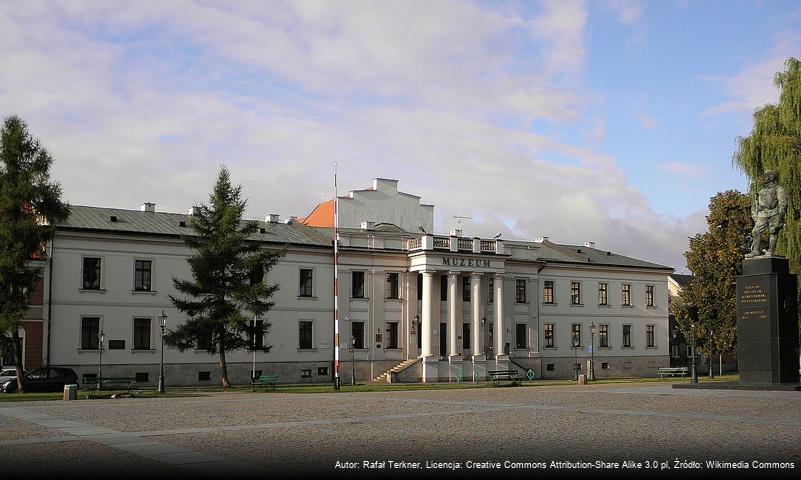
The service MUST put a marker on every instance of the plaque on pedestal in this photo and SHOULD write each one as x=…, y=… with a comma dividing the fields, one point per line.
x=767, y=322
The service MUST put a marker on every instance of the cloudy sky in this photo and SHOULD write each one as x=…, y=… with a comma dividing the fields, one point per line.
x=612, y=121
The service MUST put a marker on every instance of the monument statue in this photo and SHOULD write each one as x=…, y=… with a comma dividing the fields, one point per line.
x=768, y=210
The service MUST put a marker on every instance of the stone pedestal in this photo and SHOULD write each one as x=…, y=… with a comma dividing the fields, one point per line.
x=767, y=322
x=430, y=369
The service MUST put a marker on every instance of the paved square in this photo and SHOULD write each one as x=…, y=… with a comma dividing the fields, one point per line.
x=497, y=428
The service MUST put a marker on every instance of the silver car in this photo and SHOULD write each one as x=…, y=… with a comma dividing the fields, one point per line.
x=8, y=374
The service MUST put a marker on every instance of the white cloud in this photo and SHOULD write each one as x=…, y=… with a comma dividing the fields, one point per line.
x=629, y=12
x=648, y=122
x=752, y=87
x=685, y=171
x=420, y=91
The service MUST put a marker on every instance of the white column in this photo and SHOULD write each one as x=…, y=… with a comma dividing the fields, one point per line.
x=453, y=351
x=475, y=307
x=500, y=337
x=428, y=305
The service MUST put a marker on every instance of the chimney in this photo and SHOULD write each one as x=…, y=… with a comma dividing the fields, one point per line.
x=194, y=210
x=541, y=239
x=271, y=218
x=148, y=207
x=590, y=244
x=368, y=225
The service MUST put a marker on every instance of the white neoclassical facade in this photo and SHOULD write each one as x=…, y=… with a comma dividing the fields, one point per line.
x=433, y=307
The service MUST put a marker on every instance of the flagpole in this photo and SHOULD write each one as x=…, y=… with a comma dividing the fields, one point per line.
x=336, y=282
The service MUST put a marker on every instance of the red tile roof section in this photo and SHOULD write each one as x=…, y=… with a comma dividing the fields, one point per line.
x=321, y=216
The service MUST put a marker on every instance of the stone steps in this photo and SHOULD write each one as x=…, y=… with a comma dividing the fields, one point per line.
x=384, y=377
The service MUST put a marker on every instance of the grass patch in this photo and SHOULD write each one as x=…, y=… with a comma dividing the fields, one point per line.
x=177, y=392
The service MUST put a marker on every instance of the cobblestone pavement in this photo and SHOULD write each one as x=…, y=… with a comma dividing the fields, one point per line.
x=249, y=435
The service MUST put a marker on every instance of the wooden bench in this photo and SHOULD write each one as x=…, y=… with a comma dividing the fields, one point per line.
x=264, y=381
x=95, y=383
x=498, y=376
x=671, y=371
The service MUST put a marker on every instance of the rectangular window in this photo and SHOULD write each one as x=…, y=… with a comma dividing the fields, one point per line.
x=443, y=288
x=625, y=294
x=490, y=289
x=549, y=335
x=520, y=290
x=626, y=335
x=357, y=332
x=649, y=295
x=142, y=271
x=549, y=367
x=142, y=377
x=90, y=328
x=305, y=335
x=203, y=376
x=465, y=289
x=256, y=275
x=393, y=335
x=650, y=341
x=520, y=335
x=392, y=286
x=306, y=282
x=142, y=333
x=116, y=344
x=91, y=273
x=603, y=335
x=575, y=293
x=603, y=297
x=575, y=338
x=322, y=371
x=357, y=285
x=547, y=291
x=604, y=366
x=305, y=373
x=466, y=336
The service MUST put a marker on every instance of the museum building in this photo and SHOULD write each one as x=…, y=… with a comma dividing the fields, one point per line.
x=413, y=305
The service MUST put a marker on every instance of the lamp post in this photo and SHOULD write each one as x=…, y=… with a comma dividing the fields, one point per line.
x=711, y=372
x=592, y=351
x=100, y=338
x=163, y=325
x=353, y=360
x=575, y=357
x=693, y=311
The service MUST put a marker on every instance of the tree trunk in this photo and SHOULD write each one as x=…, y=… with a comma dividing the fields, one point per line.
x=223, y=366
x=18, y=359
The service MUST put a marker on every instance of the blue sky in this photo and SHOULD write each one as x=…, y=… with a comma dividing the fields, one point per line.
x=608, y=121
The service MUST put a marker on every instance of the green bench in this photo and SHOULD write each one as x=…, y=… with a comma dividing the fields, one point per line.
x=265, y=381
x=94, y=383
x=498, y=376
x=671, y=371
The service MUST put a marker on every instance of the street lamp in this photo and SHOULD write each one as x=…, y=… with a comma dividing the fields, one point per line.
x=163, y=325
x=575, y=357
x=353, y=360
x=711, y=372
x=100, y=338
x=592, y=351
x=693, y=312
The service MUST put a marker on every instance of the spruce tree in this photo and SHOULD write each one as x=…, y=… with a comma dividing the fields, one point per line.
x=227, y=290
x=715, y=258
x=29, y=204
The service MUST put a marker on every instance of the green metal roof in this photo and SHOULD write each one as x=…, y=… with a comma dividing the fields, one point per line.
x=162, y=223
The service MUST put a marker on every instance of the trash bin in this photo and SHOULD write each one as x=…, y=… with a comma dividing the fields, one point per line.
x=582, y=380
x=70, y=392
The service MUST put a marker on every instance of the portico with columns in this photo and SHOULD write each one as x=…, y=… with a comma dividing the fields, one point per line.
x=474, y=264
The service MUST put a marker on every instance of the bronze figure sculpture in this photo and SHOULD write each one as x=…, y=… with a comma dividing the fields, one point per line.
x=768, y=210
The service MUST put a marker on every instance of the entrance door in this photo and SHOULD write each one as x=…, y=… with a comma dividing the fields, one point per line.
x=443, y=339
x=489, y=351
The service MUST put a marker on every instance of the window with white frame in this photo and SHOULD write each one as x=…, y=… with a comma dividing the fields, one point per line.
x=141, y=340
x=625, y=294
x=603, y=293
x=549, y=340
x=306, y=287
x=575, y=293
x=305, y=335
x=91, y=273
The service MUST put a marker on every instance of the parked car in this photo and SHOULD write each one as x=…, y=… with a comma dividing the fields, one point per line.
x=7, y=374
x=43, y=379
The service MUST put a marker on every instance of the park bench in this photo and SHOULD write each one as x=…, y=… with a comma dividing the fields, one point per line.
x=95, y=383
x=671, y=371
x=498, y=376
x=264, y=381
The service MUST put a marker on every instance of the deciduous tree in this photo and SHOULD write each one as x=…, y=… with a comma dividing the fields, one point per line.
x=715, y=258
